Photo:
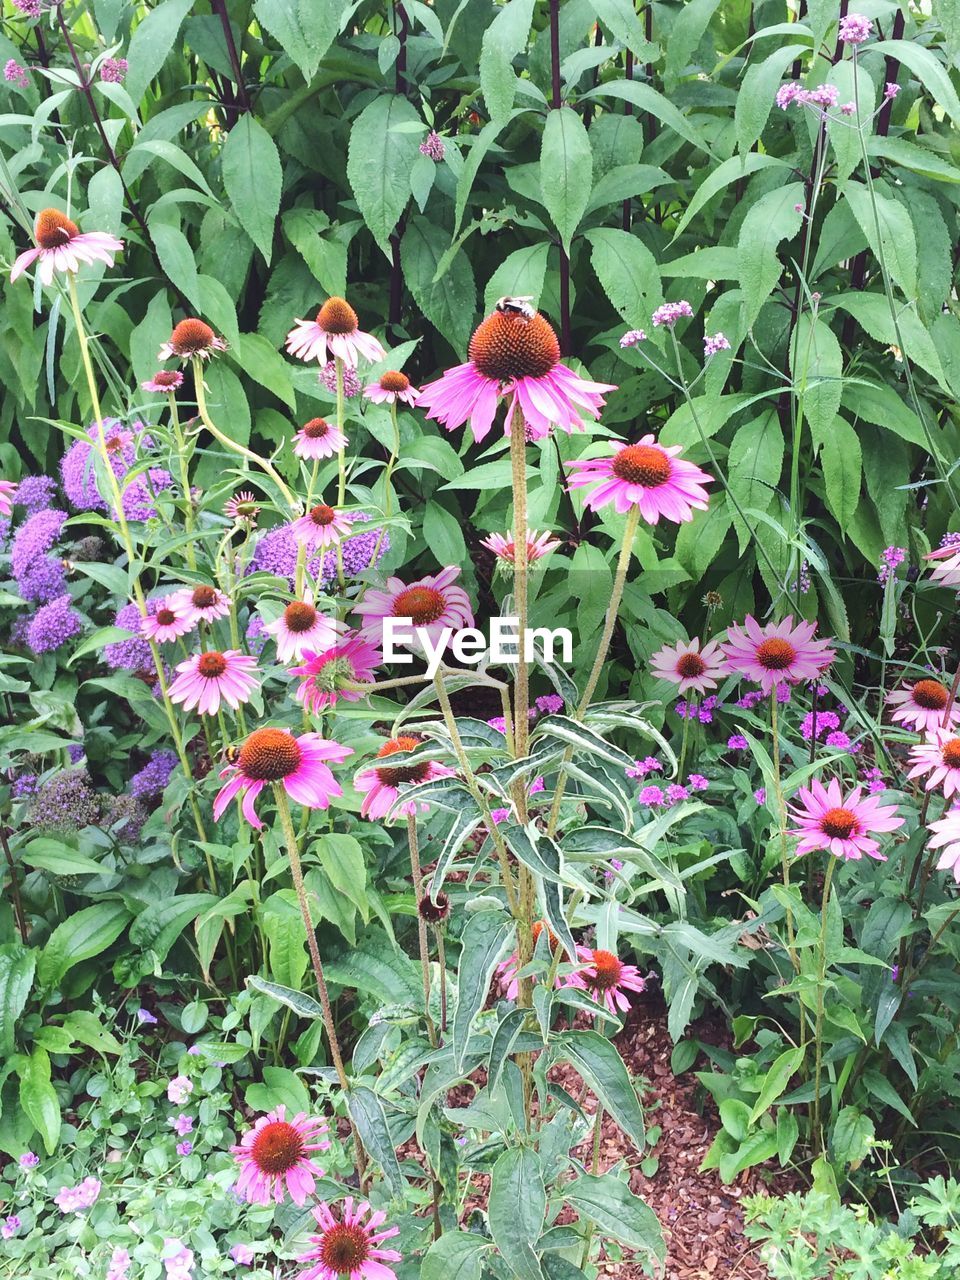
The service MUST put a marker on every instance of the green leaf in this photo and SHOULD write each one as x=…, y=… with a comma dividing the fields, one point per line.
x=450, y=302
x=517, y=1209
x=686, y=33
x=253, y=177
x=366, y=1111
x=852, y=1135
x=390, y=976
x=775, y=1082
x=380, y=157
x=281, y=19
x=623, y=22
x=757, y=94
x=39, y=1098
x=566, y=171
x=872, y=313
x=773, y=218
x=80, y=937
x=519, y=275
x=486, y=940
x=653, y=103
x=928, y=69
x=732, y=170
x=341, y=857
x=280, y=1086
x=151, y=43
x=628, y=272
x=841, y=463
x=754, y=465
x=260, y=360
x=59, y=859
x=324, y=255
x=842, y=130
x=159, y=926
x=897, y=241
x=612, y=1206
x=457, y=1255
x=17, y=966
x=303, y=1006
x=504, y=38
x=816, y=363
x=601, y=1066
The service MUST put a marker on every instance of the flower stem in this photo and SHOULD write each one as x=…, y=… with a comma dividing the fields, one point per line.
x=421, y=923
x=184, y=477
x=818, y=1034
x=341, y=461
x=782, y=819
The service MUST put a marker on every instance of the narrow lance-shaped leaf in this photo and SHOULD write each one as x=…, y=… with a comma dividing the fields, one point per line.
x=486, y=940
x=566, y=170
x=517, y=1208
x=601, y=1066
x=367, y=1113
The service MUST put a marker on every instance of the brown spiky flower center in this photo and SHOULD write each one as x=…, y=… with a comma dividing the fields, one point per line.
x=322, y=515
x=394, y=380
x=606, y=970
x=930, y=694
x=401, y=773
x=316, y=428
x=277, y=1148
x=839, y=824
x=690, y=665
x=299, y=616
x=191, y=337
x=422, y=605
x=269, y=755
x=951, y=753
x=434, y=912
x=344, y=1248
x=538, y=927
x=775, y=654
x=166, y=378
x=203, y=597
x=506, y=346
x=645, y=464
x=166, y=617
x=212, y=665
x=337, y=316
x=54, y=229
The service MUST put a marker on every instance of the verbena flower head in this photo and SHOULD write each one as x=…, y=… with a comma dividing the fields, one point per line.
x=431, y=603
x=336, y=334
x=191, y=338
x=606, y=978
x=114, y=70
x=923, y=705
x=326, y=676
x=29, y=8
x=391, y=387
x=201, y=603
x=690, y=667
x=275, y=1157
x=668, y=314
x=321, y=526
x=433, y=147
x=318, y=439
x=855, y=29
x=382, y=782
x=938, y=758
x=7, y=489
x=301, y=765
x=647, y=475
x=349, y=1244
x=778, y=653
x=16, y=74
x=164, y=381
x=62, y=246
x=712, y=345
x=302, y=626
x=632, y=337
x=504, y=547
x=515, y=357
x=946, y=837
x=168, y=623
x=890, y=91
x=822, y=97
x=844, y=825
x=208, y=679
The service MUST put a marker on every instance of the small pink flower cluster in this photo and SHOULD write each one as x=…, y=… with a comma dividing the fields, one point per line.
x=632, y=337
x=890, y=558
x=855, y=29
x=82, y=1196
x=16, y=74
x=823, y=96
x=432, y=147
x=670, y=313
x=114, y=70
x=712, y=345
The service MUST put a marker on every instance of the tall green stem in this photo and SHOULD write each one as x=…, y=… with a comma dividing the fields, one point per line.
x=417, y=878
x=821, y=979
x=181, y=445
x=782, y=820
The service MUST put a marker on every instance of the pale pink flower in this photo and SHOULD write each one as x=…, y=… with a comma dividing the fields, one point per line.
x=717, y=343
x=648, y=475
x=923, y=705
x=326, y=676
x=504, y=547
x=516, y=358
x=855, y=29
x=632, y=337
x=82, y=1196
x=391, y=387
x=381, y=783
x=241, y=1254
x=946, y=837
x=690, y=667
x=182, y=1124
x=299, y=765
x=947, y=573
x=321, y=526
x=206, y=680
x=61, y=246
x=190, y=338
x=15, y=73
x=274, y=1157
x=163, y=381
x=242, y=507
x=200, y=603
x=606, y=978
x=334, y=333
x=318, y=439
x=179, y=1090
x=169, y=623
x=7, y=489
x=777, y=653
x=668, y=314
x=431, y=603
x=302, y=626
x=177, y=1260
x=349, y=1246
x=890, y=91
x=843, y=825
x=939, y=758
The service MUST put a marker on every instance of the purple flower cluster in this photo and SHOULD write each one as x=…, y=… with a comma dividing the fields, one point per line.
x=39, y=576
x=632, y=337
x=113, y=70
x=640, y=768
x=79, y=477
x=14, y=73
x=712, y=345
x=276, y=553
x=132, y=654
x=29, y=8
x=34, y=493
x=670, y=313
x=67, y=802
x=823, y=96
x=53, y=625
x=875, y=780
x=889, y=559
x=824, y=721
x=352, y=385
x=152, y=779
x=24, y=786
x=890, y=91
x=703, y=712
x=432, y=147
x=750, y=699
x=674, y=793
x=855, y=29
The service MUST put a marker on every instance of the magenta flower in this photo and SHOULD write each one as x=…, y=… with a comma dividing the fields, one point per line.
x=302, y=626
x=712, y=345
x=668, y=314
x=82, y=1196
x=334, y=333
x=923, y=706
x=7, y=489
x=326, y=677
x=606, y=978
x=274, y=1157
x=391, y=387
x=169, y=623
x=890, y=91
x=647, y=475
x=242, y=507
x=433, y=147
x=382, y=783
x=163, y=381
x=207, y=679
x=61, y=246
x=946, y=836
x=517, y=358
x=191, y=338
x=182, y=1124
x=538, y=545
x=777, y=652
x=318, y=439
x=200, y=604
x=507, y=970
x=16, y=74
x=29, y=1160
x=241, y=1254
x=299, y=765
x=844, y=825
x=632, y=337
x=855, y=29
x=322, y=526
x=113, y=70
x=939, y=758
x=946, y=573
x=11, y=1226
x=688, y=666
x=350, y=1246
x=431, y=603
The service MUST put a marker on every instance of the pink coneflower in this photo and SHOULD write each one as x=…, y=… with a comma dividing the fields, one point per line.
x=274, y=1157
x=648, y=475
x=382, y=782
x=275, y=755
x=334, y=333
x=843, y=825
x=7, y=489
x=191, y=337
x=688, y=666
x=302, y=626
x=242, y=507
x=207, y=679
x=169, y=623
x=391, y=387
x=200, y=604
x=515, y=357
x=947, y=573
x=163, y=381
x=939, y=757
x=946, y=836
x=322, y=526
x=350, y=1246
x=61, y=246
x=507, y=970
x=923, y=705
x=605, y=978
x=318, y=439
x=779, y=652
x=504, y=547
x=431, y=603
x=328, y=675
